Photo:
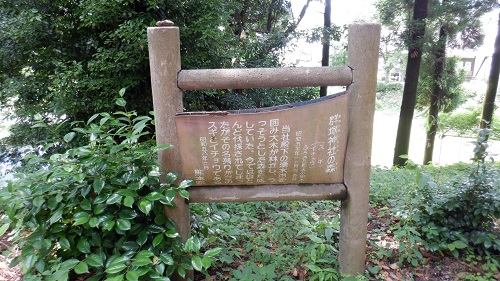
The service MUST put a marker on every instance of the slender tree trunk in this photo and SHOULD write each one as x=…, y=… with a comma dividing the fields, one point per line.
x=325, y=59
x=417, y=27
x=491, y=91
x=436, y=99
x=239, y=18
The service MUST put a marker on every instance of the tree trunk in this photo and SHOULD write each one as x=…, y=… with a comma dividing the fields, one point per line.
x=325, y=59
x=436, y=99
x=417, y=26
x=491, y=91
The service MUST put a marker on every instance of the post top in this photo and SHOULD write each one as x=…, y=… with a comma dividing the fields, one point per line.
x=164, y=23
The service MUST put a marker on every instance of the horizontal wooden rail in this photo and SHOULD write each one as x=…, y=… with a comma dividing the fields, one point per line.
x=244, y=78
x=203, y=194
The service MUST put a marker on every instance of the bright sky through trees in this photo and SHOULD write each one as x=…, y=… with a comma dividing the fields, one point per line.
x=347, y=12
x=343, y=12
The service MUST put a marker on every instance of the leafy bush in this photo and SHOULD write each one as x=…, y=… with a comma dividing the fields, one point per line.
x=389, y=87
x=389, y=95
x=464, y=123
x=98, y=209
x=439, y=208
x=451, y=83
x=462, y=213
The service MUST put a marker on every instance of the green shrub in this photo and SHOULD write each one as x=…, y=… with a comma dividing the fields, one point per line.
x=441, y=208
x=389, y=87
x=389, y=95
x=274, y=240
x=98, y=209
x=462, y=213
x=464, y=123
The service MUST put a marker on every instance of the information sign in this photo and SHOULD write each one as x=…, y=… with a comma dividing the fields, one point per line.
x=291, y=144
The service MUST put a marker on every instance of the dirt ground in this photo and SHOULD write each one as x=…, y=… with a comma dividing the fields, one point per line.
x=435, y=266
x=6, y=273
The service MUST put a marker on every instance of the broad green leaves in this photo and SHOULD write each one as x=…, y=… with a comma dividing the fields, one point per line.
x=95, y=260
x=81, y=268
x=99, y=208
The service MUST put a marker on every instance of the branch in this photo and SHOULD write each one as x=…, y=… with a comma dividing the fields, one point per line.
x=301, y=16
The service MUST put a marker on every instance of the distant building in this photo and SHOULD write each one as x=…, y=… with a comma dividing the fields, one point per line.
x=476, y=67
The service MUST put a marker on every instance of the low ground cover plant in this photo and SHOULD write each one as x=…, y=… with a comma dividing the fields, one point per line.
x=417, y=212
x=451, y=210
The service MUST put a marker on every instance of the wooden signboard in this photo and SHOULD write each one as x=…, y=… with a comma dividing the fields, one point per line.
x=301, y=143
x=310, y=151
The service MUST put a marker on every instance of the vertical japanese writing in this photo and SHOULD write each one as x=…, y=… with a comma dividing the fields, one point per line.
x=225, y=137
x=238, y=151
x=284, y=147
x=250, y=169
x=315, y=160
x=261, y=152
x=200, y=173
x=303, y=166
x=204, y=153
x=333, y=142
x=273, y=149
x=213, y=132
x=249, y=136
x=267, y=147
x=297, y=156
x=250, y=147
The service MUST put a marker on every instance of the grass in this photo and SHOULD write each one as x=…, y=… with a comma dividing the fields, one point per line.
x=299, y=240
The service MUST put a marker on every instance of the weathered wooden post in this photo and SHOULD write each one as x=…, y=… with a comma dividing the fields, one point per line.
x=362, y=48
x=165, y=63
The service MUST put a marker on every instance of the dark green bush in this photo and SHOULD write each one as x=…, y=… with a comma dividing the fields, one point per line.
x=98, y=209
x=462, y=213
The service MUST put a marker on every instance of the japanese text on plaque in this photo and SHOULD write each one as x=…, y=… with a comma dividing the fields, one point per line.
x=303, y=144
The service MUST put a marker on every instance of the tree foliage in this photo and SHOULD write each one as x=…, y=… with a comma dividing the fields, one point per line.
x=64, y=60
x=451, y=18
x=454, y=94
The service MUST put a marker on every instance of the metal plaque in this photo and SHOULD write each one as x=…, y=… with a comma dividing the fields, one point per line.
x=290, y=144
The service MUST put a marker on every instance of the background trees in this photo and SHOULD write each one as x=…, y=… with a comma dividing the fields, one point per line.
x=64, y=60
x=414, y=41
x=447, y=24
x=459, y=26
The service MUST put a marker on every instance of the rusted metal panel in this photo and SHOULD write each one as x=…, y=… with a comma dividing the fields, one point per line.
x=244, y=78
x=293, y=144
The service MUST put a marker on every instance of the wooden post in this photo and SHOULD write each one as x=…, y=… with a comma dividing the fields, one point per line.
x=165, y=63
x=363, y=48
x=244, y=78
